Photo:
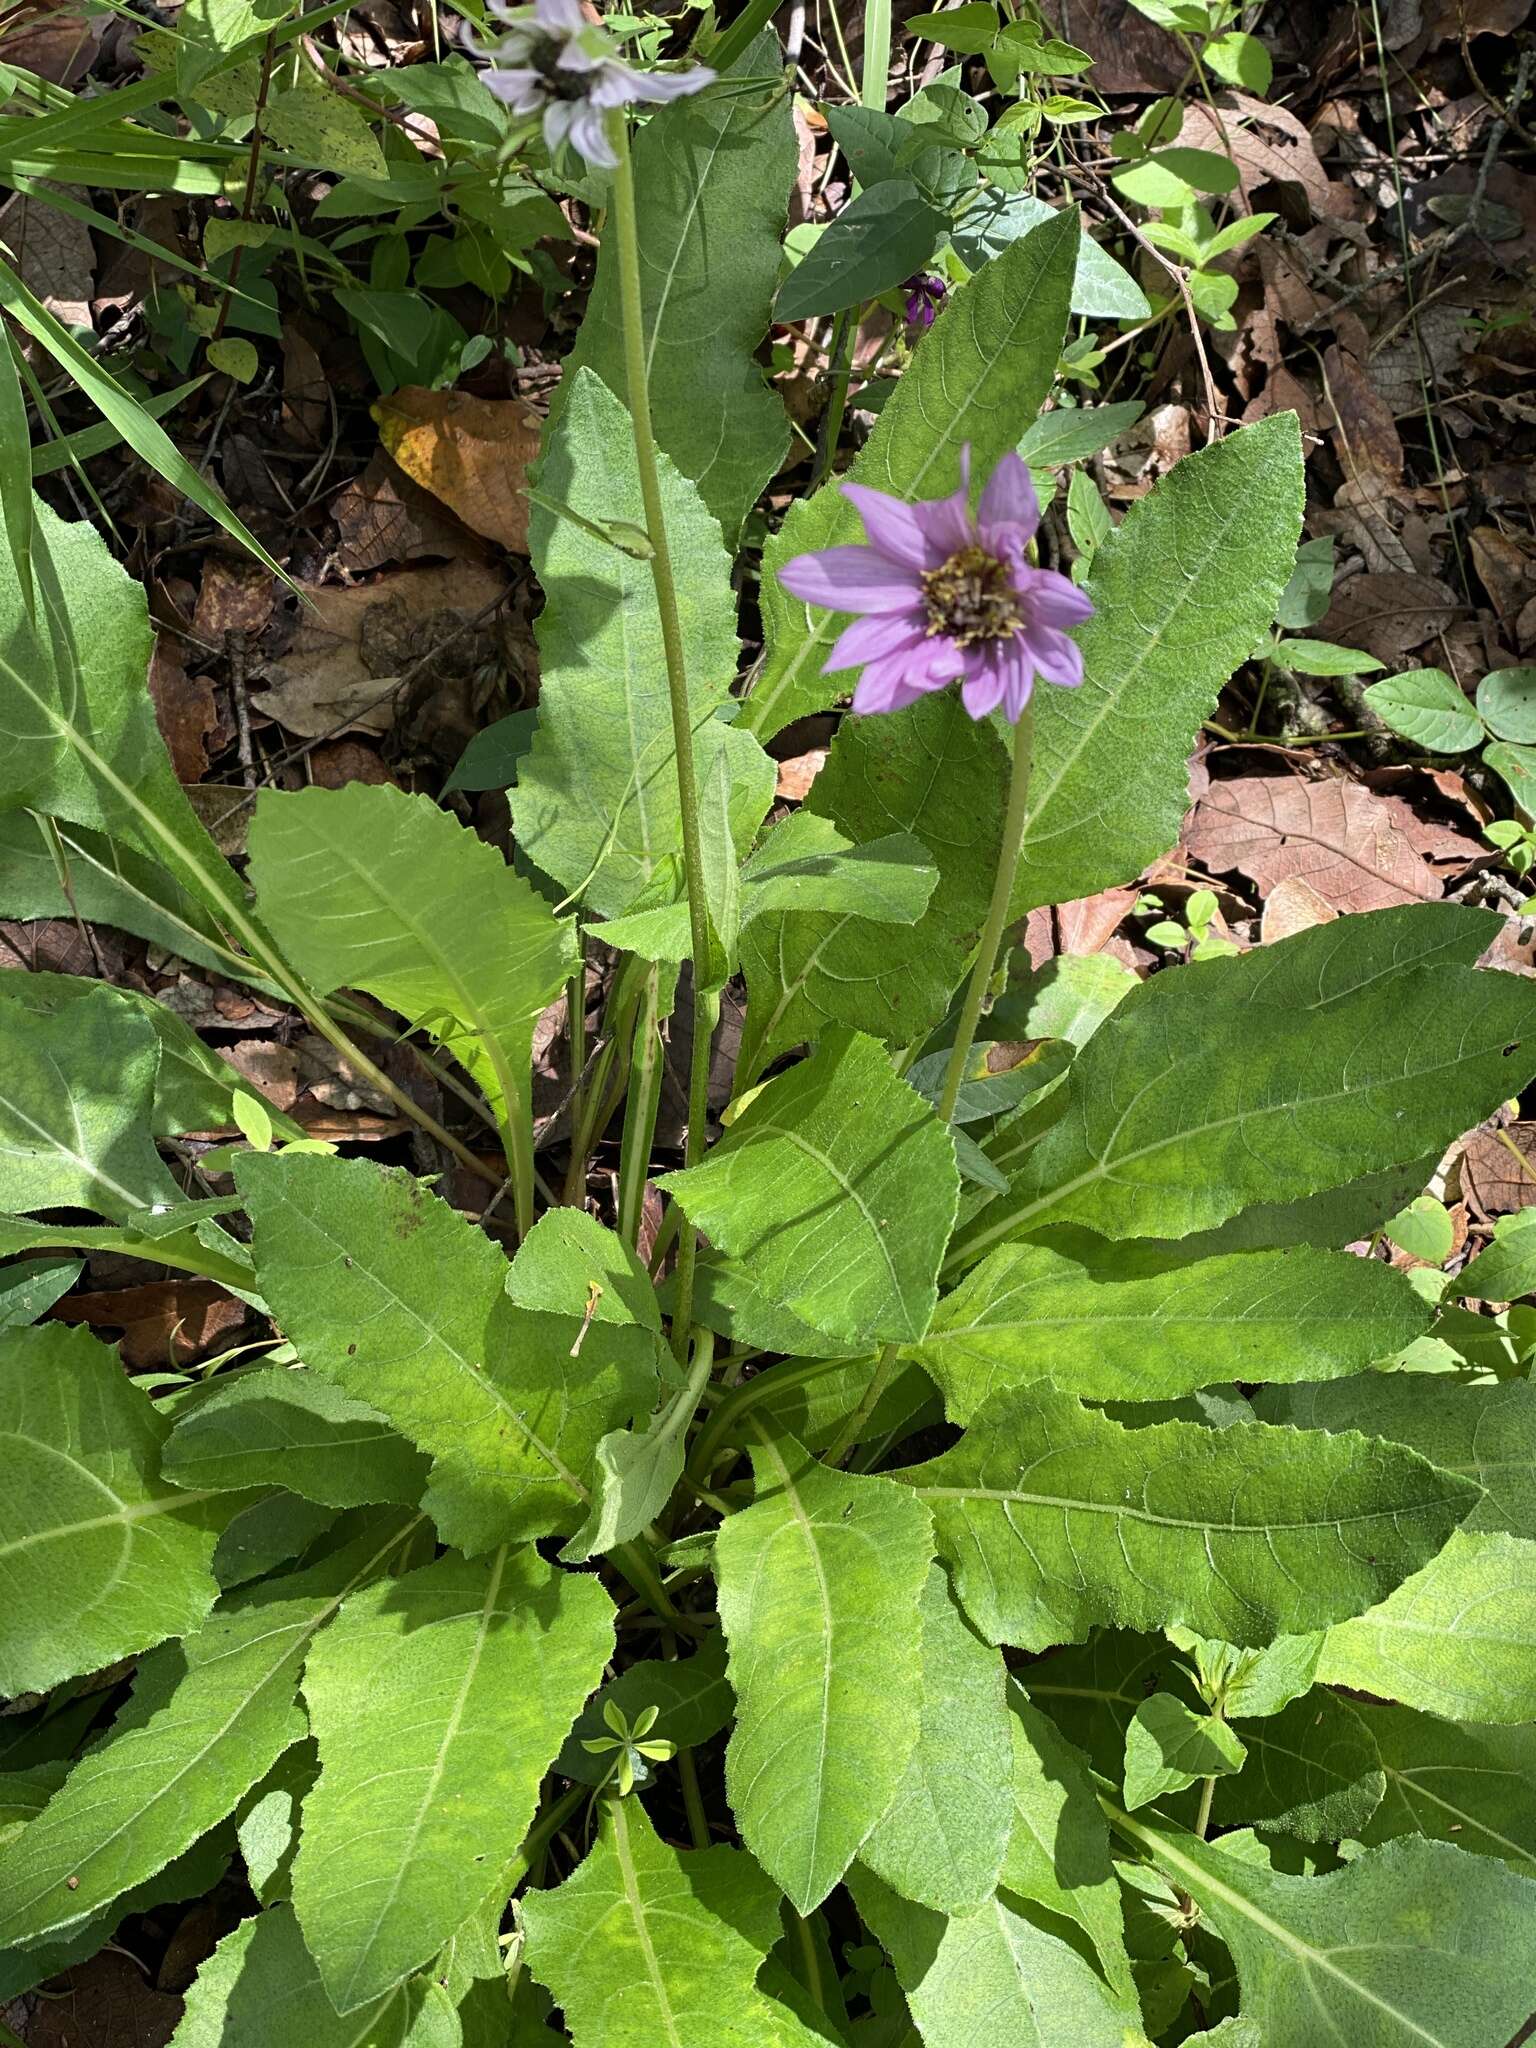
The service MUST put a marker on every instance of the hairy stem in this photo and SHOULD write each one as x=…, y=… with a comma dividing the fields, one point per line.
x=705, y=1005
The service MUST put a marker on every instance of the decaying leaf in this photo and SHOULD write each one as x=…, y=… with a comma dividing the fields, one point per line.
x=472, y=453
x=1498, y=1169
x=1388, y=614
x=1356, y=849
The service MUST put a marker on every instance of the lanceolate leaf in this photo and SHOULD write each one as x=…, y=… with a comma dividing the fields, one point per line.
x=1182, y=591
x=995, y=1978
x=1469, y=1784
x=439, y=1701
x=1313, y=1770
x=1414, y=1942
x=712, y=180
x=819, y=1589
x=943, y=1838
x=1276, y=1074
x=1486, y=1433
x=365, y=887
x=76, y=1092
x=645, y=1948
x=99, y=1558
x=931, y=772
x=403, y=1303
x=1054, y=1517
x=1458, y=1639
x=979, y=377
x=261, y=1985
x=596, y=803
x=1027, y=1313
x=836, y=1190
x=294, y=1429
x=207, y=1720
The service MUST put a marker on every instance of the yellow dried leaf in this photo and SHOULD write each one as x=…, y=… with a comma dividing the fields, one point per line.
x=472, y=453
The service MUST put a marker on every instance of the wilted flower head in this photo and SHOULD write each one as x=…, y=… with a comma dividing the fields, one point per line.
x=925, y=295
x=553, y=61
x=947, y=598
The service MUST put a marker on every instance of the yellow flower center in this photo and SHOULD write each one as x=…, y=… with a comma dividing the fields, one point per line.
x=971, y=597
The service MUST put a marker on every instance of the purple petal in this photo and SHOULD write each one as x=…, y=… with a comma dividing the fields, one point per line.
x=589, y=133
x=655, y=87
x=894, y=527
x=946, y=524
x=1009, y=498
x=560, y=17
x=851, y=580
x=891, y=685
x=982, y=690
x=524, y=91
x=1051, y=599
x=872, y=638
x=1058, y=659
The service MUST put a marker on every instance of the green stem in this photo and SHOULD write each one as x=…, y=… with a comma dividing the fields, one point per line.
x=740, y=1402
x=646, y=1068
x=751, y=21
x=542, y=1833
x=997, y=916
x=636, y=372
x=1207, y=1797
x=879, y=1380
x=840, y=361
x=874, y=82
x=576, y=1033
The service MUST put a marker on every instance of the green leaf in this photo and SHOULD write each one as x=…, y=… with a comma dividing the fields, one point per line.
x=1313, y=1770
x=1413, y=1942
x=1027, y=1313
x=983, y=372
x=1274, y=1075
x=439, y=1701
x=943, y=1837
x=101, y=1559
x=1173, y=177
x=931, y=772
x=1054, y=1517
x=995, y=1978
x=645, y=1948
x=1241, y=60
x=1472, y=1785
x=1169, y=1746
x=1516, y=768
x=1307, y=596
x=1426, y=706
x=878, y=240
x=1506, y=703
x=1424, y=1230
x=637, y=1471
x=402, y=1302
x=1458, y=1639
x=836, y=1190
x=1507, y=1269
x=76, y=1090
x=1251, y=1683
x=1072, y=434
x=261, y=1985
x=208, y=1718
x=1058, y=1854
x=1182, y=588
x=30, y=1287
x=596, y=803
x=713, y=174
x=294, y=1429
x=820, y=1582
x=1102, y=289
x=365, y=887
x=1322, y=658
x=1485, y=1433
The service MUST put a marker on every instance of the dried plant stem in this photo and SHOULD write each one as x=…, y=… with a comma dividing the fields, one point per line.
x=627, y=238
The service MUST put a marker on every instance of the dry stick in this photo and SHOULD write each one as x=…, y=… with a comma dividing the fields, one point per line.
x=252, y=172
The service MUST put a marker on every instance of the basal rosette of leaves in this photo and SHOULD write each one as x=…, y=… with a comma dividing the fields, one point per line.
x=1043, y=1598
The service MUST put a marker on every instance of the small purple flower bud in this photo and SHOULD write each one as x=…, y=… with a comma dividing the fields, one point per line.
x=925, y=295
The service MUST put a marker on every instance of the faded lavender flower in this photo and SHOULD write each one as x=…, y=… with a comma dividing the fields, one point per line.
x=925, y=295
x=947, y=598
x=553, y=61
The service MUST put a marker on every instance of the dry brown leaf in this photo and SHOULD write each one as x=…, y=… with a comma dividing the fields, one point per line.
x=1388, y=614
x=1364, y=434
x=338, y=762
x=1088, y=925
x=1130, y=53
x=472, y=453
x=236, y=596
x=184, y=708
x=1506, y=569
x=271, y=1068
x=342, y=672
x=52, y=254
x=165, y=1322
x=1498, y=1170
x=306, y=411
x=1447, y=19
x=1354, y=847
x=225, y=810
x=1268, y=145
x=383, y=517
x=1293, y=906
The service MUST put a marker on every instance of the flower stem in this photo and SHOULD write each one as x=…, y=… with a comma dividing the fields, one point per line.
x=997, y=915
x=705, y=1006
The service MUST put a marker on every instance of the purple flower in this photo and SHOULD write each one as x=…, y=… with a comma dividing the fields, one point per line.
x=946, y=597
x=562, y=67
x=925, y=295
